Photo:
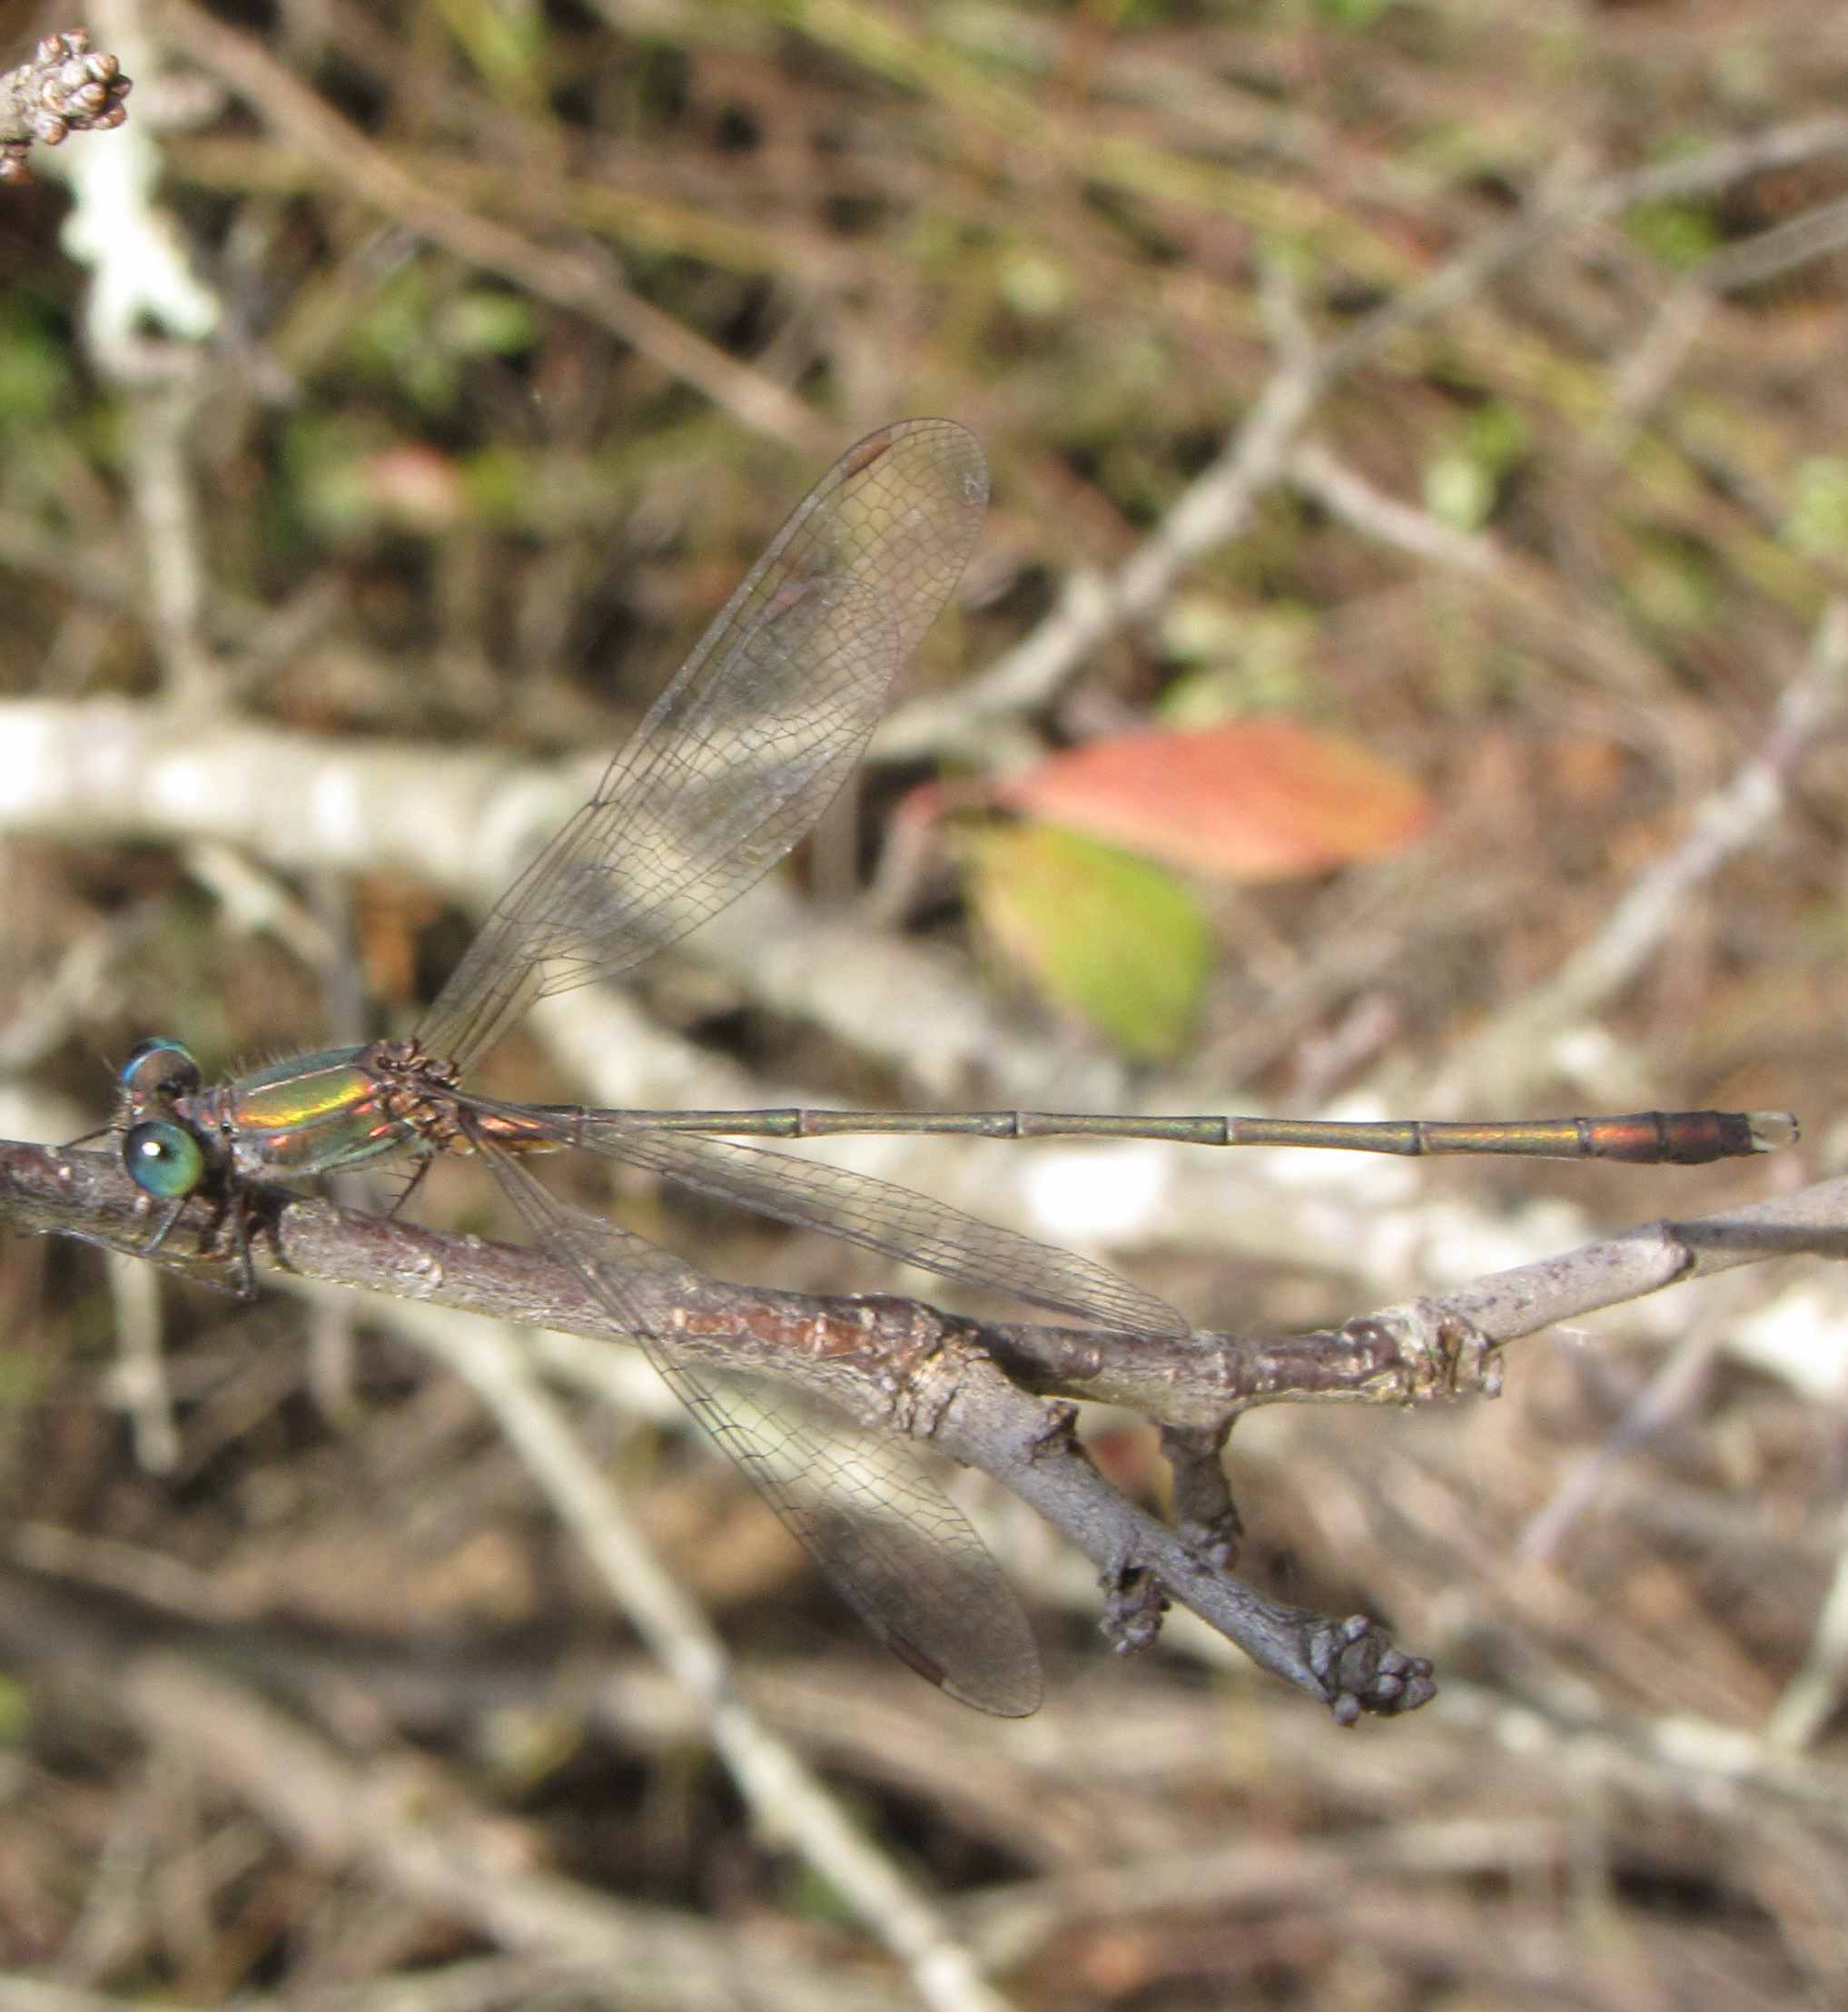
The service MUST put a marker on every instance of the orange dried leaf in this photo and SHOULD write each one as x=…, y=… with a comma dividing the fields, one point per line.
x=1253, y=800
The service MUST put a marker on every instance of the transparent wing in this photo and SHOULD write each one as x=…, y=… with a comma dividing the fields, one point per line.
x=749, y=743
x=884, y=1536
x=879, y=1215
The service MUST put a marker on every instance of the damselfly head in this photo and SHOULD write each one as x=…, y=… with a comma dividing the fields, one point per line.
x=156, y=1073
x=162, y=1155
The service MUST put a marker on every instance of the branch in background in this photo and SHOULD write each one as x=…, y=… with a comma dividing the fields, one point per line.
x=970, y=1411
x=1732, y=818
x=1213, y=508
x=68, y=88
x=578, y=279
x=988, y=1380
x=395, y=1820
x=1218, y=502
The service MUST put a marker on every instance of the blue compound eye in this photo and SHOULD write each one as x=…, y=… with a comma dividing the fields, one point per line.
x=164, y=1159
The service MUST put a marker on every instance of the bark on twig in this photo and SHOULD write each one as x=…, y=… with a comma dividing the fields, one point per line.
x=985, y=1381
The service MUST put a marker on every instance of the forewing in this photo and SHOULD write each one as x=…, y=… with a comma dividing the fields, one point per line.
x=883, y=1533
x=750, y=741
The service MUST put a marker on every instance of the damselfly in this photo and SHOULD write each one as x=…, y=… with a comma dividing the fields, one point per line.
x=730, y=768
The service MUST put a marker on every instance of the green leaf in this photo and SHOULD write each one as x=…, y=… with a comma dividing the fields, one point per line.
x=1105, y=935
x=1673, y=583
x=15, y=1712
x=34, y=365
x=486, y=321
x=1240, y=659
x=1462, y=482
x=1678, y=234
x=1816, y=524
x=22, y=1379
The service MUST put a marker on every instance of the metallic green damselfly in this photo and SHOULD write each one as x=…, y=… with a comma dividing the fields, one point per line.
x=730, y=767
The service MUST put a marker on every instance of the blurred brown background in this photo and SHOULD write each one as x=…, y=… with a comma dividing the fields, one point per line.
x=1460, y=382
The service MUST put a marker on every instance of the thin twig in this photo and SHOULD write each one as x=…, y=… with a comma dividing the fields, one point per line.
x=1515, y=1047
x=786, y=1798
x=1815, y=1693
x=389, y=1826
x=1213, y=508
x=572, y=278
x=1218, y=503
x=172, y=541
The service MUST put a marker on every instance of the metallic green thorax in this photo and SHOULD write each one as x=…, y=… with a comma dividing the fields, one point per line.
x=305, y=1116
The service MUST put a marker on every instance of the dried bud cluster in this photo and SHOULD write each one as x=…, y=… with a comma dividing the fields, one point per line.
x=68, y=88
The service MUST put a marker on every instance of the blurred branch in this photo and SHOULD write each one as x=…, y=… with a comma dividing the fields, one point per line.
x=1218, y=503
x=1814, y=1695
x=144, y=289
x=1512, y=1048
x=570, y=277
x=786, y=1796
x=173, y=538
x=394, y=1822
x=1716, y=167
x=1209, y=510
x=466, y=823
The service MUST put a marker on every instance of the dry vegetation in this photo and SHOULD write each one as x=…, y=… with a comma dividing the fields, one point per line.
x=1465, y=379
